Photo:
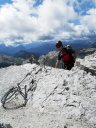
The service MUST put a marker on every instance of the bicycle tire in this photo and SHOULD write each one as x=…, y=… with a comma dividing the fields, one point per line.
x=10, y=97
x=5, y=95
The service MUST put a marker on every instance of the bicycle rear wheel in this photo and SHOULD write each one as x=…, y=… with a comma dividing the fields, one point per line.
x=13, y=99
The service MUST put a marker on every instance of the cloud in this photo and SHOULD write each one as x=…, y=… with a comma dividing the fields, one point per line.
x=94, y=1
x=81, y=6
x=53, y=18
x=27, y=20
x=89, y=20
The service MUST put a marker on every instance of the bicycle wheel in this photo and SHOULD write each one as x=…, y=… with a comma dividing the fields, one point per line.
x=11, y=92
x=13, y=99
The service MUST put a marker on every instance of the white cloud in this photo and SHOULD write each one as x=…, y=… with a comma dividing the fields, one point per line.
x=94, y=1
x=89, y=20
x=21, y=21
x=81, y=31
x=53, y=15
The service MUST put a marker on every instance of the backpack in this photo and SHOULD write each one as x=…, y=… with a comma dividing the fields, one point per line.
x=66, y=56
x=70, y=49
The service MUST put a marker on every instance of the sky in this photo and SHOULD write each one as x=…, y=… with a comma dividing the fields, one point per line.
x=27, y=21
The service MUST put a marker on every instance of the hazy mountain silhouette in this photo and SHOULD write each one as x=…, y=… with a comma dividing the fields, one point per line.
x=39, y=48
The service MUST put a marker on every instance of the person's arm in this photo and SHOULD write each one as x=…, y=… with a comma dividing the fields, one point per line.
x=74, y=55
x=57, y=63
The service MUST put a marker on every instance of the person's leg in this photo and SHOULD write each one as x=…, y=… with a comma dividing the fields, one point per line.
x=69, y=65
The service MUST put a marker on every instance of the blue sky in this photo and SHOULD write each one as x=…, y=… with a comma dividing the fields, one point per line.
x=2, y=2
x=26, y=21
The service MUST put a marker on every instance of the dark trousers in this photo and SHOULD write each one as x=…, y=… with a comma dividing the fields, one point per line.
x=68, y=65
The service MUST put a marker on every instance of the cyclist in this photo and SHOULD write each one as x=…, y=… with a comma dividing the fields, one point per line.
x=65, y=55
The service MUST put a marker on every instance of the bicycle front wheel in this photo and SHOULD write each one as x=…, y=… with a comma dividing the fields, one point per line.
x=13, y=99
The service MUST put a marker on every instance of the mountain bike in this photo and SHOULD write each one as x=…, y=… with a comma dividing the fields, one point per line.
x=17, y=96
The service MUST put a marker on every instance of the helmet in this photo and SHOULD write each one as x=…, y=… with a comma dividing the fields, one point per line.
x=59, y=44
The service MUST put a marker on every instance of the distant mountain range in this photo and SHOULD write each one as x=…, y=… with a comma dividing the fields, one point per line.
x=39, y=48
x=6, y=61
x=23, y=54
x=22, y=57
x=42, y=48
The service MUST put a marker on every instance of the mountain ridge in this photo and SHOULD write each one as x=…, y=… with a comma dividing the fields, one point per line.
x=42, y=48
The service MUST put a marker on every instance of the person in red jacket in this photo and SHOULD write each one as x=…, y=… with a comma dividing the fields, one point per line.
x=66, y=56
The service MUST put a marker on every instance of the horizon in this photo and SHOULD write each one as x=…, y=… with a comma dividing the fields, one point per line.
x=27, y=21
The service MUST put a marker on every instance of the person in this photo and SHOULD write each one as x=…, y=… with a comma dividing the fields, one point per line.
x=65, y=55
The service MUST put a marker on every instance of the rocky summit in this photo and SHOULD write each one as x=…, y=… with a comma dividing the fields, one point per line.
x=61, y=99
